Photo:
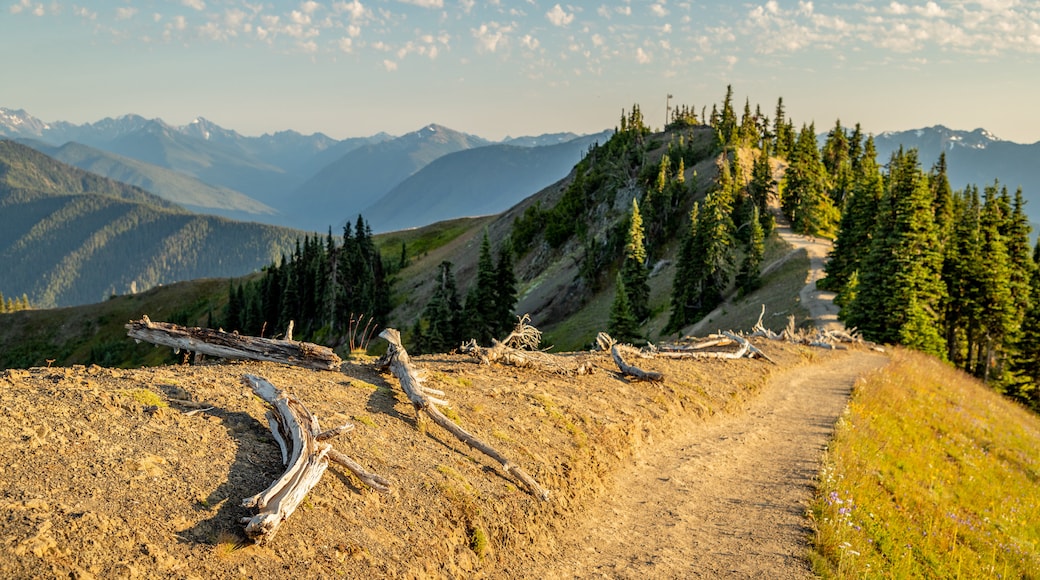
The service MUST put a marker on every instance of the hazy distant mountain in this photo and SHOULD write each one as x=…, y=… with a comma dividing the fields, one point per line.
x=174, y=186
x=71, y=237
x=480, y=181
x=264, y=168
x=344, y=188
x=541, y=140
x=976, y=157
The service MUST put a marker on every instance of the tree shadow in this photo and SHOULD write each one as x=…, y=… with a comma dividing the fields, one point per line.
x=257, y=463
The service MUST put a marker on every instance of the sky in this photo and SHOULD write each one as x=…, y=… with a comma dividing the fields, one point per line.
x=513, y=68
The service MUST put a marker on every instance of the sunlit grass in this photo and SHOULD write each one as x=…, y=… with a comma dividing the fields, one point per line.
x=930, y=475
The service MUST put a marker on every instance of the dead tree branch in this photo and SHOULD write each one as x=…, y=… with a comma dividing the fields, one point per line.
x=305, y=455
x=232, y=345
x=517, y=350
x=400, y=365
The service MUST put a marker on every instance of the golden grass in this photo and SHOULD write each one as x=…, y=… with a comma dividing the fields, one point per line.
x=930, y=475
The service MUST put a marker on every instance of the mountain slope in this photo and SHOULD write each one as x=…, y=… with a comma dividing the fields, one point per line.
x=71, y=237
x=480, y=181
x=344, y=188
x=174, y=186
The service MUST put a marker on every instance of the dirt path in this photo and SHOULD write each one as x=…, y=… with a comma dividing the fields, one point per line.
x=819, y=303
x=728, y=497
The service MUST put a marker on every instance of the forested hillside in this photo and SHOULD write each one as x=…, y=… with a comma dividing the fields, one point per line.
x=71, y=237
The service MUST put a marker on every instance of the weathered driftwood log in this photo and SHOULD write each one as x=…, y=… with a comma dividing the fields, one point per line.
x=232, y=345
x=631, y=371
x=606, y=342
x=518, y=349
x=400, y=365
x=305, y=454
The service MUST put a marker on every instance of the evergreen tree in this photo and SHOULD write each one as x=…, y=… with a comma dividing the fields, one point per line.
x=622, y=326
x=857, y=222
x=443, y=313
x=688, y=279
x=481, y=311
x=900, y=289
x=505, y=291
x=836, y=159
x=749, y=277
x=634, y=274
x=783, y=132
x=233, y=310
x=962, y=272
x=942, y=198
x=1025, y=385
x=760, y=187
x=805, y=200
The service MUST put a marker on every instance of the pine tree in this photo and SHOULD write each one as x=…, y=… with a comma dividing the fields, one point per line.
x=622, y=326
x=481, y=308
x=836, y=158
x=1025, y=385
x=900, y=290
x=505, y=291
x=634, y=274
x=857, y=222
x=443, y=313
x=749, y=278
x=760, y=187
x=805, y=200
x=688, y=279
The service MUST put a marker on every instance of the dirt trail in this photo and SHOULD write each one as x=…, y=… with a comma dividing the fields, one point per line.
x=819, y=303
x=728, y=497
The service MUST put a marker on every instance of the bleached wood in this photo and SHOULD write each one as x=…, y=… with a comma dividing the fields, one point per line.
x=233, y=345
x=305, y=455
x=400, y=365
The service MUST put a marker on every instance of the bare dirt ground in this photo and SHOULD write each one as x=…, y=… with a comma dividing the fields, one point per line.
x=103, y=474
x=728, y=498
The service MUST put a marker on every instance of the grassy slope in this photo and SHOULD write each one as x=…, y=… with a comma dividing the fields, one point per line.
x=931, y=475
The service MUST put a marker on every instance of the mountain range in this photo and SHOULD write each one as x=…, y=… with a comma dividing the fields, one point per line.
x=310, y=182
x=972, y=157
x=69, y=237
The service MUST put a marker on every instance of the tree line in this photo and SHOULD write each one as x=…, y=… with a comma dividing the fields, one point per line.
x=14, y=304
x=325, y=288
x=949, y=273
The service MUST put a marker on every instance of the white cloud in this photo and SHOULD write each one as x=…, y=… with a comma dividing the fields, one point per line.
x=559, y=17
x=354, y=9
x=125, y=12
x=930, y=10
x=659, y=10
x=425, y=3
x=897, y=8
x=345, y=44
x=309, y=47
x=491, y=38
x=642, y=57
x=194, y=4
x=389, y=65
x=529, y=41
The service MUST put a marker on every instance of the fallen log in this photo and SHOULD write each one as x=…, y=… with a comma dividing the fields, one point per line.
x=305, y=455
x=517, y=350
x=634, y=372
x=233, y=345
x=400, y=365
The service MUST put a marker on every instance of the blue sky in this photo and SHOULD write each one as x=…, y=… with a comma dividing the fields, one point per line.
x=522, y=67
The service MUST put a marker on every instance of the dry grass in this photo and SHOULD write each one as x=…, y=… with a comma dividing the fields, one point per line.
x=931, y=475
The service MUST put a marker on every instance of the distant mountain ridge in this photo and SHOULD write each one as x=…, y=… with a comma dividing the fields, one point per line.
x=311, y=182
x=473, y=182
x=70, y=237
x=972, y=157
